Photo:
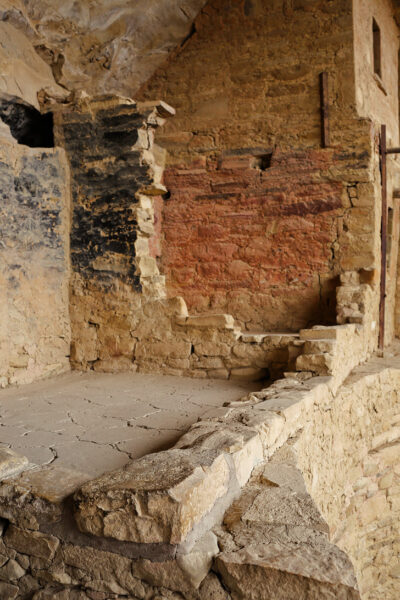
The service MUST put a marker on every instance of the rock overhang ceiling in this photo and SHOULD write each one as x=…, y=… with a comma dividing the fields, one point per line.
x=100, y=46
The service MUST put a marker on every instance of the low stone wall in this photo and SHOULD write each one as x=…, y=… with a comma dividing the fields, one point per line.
x=153, y=518
x=369, y=532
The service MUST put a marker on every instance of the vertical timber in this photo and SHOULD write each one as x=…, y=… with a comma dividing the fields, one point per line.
x=324, y=94
x=383, y=155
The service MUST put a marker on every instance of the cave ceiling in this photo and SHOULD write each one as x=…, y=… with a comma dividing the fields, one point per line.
x=99, y=46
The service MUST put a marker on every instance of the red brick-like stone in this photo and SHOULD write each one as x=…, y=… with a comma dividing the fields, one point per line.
x=229, y=228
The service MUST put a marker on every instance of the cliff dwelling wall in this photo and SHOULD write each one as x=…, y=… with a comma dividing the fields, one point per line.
x=261, y=219
x=377, y=99
x=34, y=259
x=34, y=221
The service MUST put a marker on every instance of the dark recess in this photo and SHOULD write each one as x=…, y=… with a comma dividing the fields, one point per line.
x=264, y=161
x=27, y=125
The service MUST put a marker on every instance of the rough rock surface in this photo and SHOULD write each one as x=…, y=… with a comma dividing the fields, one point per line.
x=105, y=46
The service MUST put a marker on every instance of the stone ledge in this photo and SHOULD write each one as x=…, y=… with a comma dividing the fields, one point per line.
x=181, y=494
x=165, y=497
x=159, y=498
x=274, y=538
x=36, y=496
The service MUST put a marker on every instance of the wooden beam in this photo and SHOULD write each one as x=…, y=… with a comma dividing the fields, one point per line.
x=383, y=154
x=324, y=95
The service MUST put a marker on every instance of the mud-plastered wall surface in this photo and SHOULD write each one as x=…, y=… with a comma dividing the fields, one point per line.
x=34, y=262
x=261, y=219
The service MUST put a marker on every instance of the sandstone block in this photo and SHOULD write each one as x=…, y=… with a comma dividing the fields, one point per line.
x=179, y=363
x=8, y=591
x=243, y=444
x=168, y=349
x=208, y=362
x=19, y=362
x=207, y=348
x=269, y=426
x=103, y=571
x=372, y=508
x=251, y=338
x=274, y=570
x=246, y=458
x=319, y=346
x=147, y=266
x=32, y=543
x=158, y=498
x=11, y=571
x=318, y=363
x=197, y=563
x=251, y=352
x=120, y=364
x=218, y=374
x=221, y=321
x=320, y=332
x=37, y=495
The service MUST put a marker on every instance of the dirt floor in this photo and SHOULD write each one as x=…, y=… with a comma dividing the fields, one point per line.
x=96, y=422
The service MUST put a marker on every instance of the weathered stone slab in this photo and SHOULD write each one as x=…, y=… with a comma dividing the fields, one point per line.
x=242, y=443
x=32, y=543
x=11, y=463
x=158, y=498
x=8, y=591
x=294, y=565
x=217, y=321
x=37, y=495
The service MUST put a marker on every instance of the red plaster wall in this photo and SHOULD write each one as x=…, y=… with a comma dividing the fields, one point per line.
x=261, y=245
x=256, y=243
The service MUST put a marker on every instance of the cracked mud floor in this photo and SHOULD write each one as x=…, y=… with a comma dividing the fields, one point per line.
x=94, y=422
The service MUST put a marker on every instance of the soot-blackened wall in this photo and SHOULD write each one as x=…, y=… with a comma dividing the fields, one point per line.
x=34, y=262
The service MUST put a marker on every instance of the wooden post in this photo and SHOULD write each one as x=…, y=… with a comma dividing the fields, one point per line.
x=383, y=154
x=324, y=94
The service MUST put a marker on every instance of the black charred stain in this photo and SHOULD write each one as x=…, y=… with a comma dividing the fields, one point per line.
x=31, y=213
x=106, y=174
x=27, y=125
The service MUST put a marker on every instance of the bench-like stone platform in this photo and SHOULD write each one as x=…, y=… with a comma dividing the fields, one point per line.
x=96, y=422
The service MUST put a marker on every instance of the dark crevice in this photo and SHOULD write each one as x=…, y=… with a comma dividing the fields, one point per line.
x=27, y=125
x=191, y=33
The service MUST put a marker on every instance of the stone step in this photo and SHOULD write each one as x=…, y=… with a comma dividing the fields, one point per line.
x=259, y=337
x=36, y=496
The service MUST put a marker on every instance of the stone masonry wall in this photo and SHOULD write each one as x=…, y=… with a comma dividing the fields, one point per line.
x=260, y=219
x=34, y=262
x=253, y=241
x=114, y=173
x=120, y=320
x=193, y=522
x=377, y=98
